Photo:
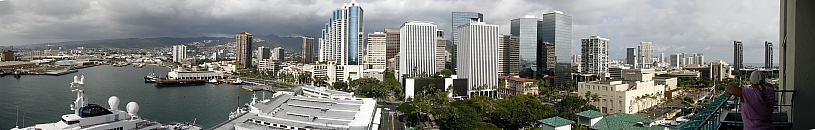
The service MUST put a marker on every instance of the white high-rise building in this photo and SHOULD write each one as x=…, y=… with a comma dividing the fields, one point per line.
x=594, y=56
x=646, y=51
x=478, y=57
x=179, y=53
x=375, y=56
x=343, y=36
x=700, y=58
x=417, y=44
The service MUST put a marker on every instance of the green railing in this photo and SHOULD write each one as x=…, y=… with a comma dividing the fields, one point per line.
x=707, y=118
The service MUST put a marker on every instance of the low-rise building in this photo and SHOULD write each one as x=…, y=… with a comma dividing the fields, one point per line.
x=621, y=96
x=669, y=82
x=555, y=123
x=414, y=86
x=205, y=75
x=323, y=92
x=514, y=85
x=289, y=112
x=589, y=117
x=333, y=72
x=269, y=65
x=622, y=121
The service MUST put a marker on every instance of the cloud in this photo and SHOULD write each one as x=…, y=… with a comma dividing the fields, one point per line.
x=672, y=25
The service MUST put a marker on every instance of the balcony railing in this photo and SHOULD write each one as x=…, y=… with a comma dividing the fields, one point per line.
x=712, y=117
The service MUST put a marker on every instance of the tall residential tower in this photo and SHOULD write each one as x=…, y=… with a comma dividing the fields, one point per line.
x=768, y=55
x=594, y=56
x=308, y=50
x=243, y=52
x=417, y=45
x=343, y=35
x=738, y=56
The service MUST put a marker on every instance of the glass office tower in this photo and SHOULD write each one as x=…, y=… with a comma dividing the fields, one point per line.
x=461, y=18
x=527, y=31
x=557, y=28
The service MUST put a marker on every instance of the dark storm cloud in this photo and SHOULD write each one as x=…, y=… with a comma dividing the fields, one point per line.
x=672, y=25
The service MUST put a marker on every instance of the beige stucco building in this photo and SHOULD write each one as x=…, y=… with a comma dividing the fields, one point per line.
x=621, y=95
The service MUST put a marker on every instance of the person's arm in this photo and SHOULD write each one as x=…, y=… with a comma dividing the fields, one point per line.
x=733, y=90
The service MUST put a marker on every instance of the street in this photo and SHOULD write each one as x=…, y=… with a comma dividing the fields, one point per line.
x=390, y=117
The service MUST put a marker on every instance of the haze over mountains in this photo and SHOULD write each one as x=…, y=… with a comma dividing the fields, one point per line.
x=272, y=41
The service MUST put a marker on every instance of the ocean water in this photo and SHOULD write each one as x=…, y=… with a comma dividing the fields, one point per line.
x=44, y=99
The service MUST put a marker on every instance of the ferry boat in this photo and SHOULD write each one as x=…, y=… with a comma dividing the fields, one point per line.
x=94, y=117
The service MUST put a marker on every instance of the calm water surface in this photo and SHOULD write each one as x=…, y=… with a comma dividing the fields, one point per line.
x=43, y=99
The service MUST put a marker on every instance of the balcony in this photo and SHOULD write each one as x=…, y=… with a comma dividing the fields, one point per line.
x=718, y=115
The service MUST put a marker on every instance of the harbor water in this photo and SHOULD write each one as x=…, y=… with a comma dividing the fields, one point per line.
x=31, y=99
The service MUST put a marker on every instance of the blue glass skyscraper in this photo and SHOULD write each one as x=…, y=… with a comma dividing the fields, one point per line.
x=527, y=31
x=461, y=18
x=343, y=35
x=557, y=29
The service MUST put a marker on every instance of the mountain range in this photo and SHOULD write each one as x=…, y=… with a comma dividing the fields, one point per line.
x=272, y=41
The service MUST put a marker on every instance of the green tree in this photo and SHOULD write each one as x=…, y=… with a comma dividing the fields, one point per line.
x=570, y=105
x=340, y=85
x=517, y=112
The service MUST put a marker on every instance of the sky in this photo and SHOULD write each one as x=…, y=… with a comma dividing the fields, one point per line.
x=673, y=26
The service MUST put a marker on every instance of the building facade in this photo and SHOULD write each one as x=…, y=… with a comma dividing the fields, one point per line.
x=392, y=43
x=460, y=18
x=179, y=53
x=556, y=28
x=263, y=52
x=279, y=54
x=416, y=46
x=478, y=57
x=508, y=55
x=526, y=29
x=768, y=55
x=625, y=96
x=720, y=70
x=375, y=57
x=243, y=52
x=646, y=52
x=738, y=55
x=594, y=56
x=308, y=50
x=269, y=65
x=343, y=35
x=631, y=56
x=441, y=52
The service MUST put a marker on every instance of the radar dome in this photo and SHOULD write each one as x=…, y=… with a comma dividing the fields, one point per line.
x=113, y=101
x=132, y=108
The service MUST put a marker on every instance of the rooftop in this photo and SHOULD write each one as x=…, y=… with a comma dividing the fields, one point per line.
x=590, y=114
x=622, y=121
x=556, y=121
x=305, y=112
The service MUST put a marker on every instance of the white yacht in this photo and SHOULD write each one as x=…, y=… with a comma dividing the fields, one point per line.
x=94, y=117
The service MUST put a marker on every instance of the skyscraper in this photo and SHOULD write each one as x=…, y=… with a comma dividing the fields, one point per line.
x=738, y=56
x=675, y=60
x=594, y=55
x=343, y=35
x=441, y=52
x=179, y=53
x=768, y=55
x=556, y=28
x=662, y=61
x=376, y=51
x=631, y=56
x=646, y=54
x=308, y=50
x=263, y=52
x=279, y=54
x=508, y=57
x=546, y=56
x=526, y=29
x=392, y=42
x=478, y=57
x=416, y=46
x=700, y=58
x=461, y=18
x=243, y=52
